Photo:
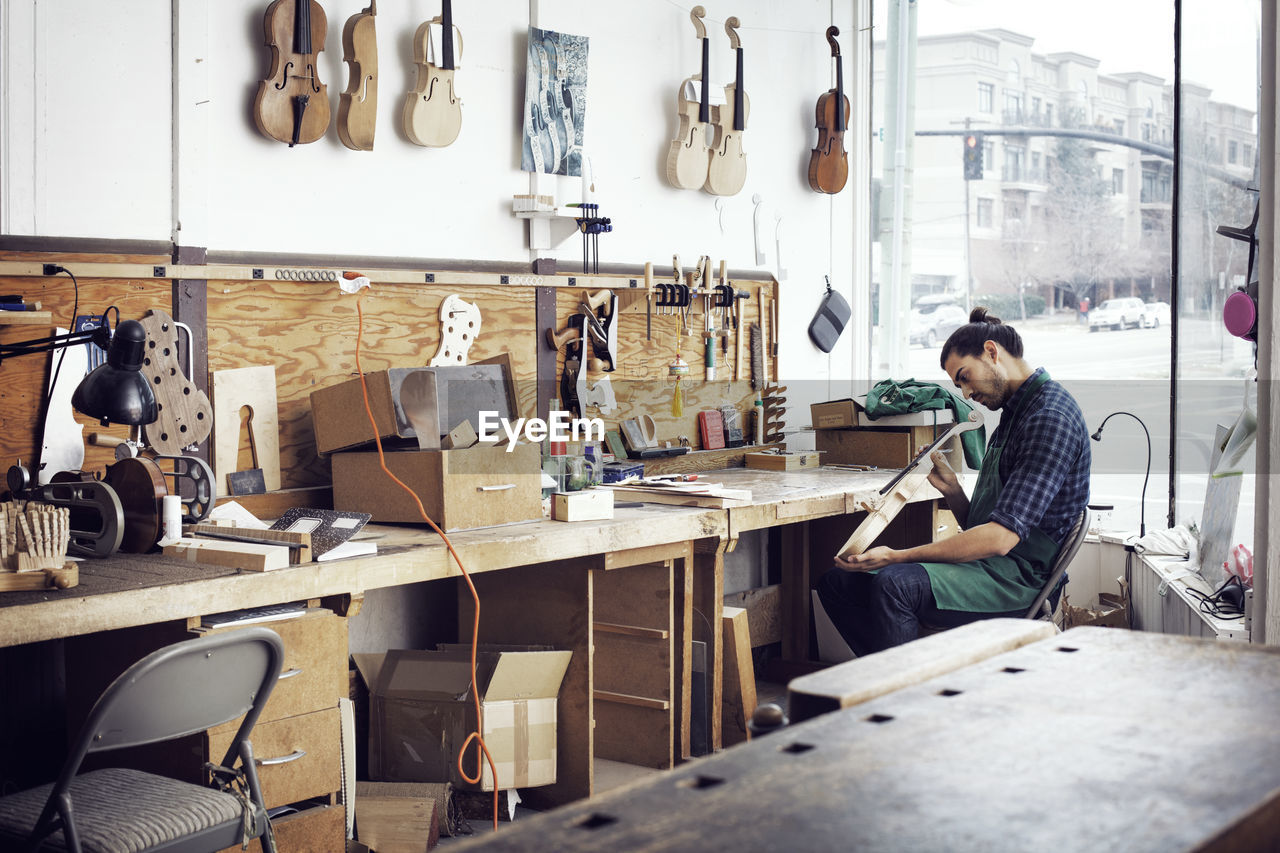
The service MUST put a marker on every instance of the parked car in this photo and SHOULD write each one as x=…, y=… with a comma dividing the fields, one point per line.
x=1118, y=313
x=932, y=321
x=1155, y=314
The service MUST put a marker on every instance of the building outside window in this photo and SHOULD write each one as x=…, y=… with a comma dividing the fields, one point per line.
x=1247, y=159
x=986, y=210
x=988, y=154
x=1117, y=181
x=1012, y=107
x=1231, y=151
x=1119, y=123
x=986, y=97
x=1014, y=163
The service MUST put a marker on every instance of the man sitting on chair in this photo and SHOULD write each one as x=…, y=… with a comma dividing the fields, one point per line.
x=1031, y=488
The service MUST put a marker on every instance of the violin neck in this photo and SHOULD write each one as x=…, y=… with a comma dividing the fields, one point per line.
x=302, y=27
x=840, y=128
x=704, y=105
x=738, y=122
x=446, y=37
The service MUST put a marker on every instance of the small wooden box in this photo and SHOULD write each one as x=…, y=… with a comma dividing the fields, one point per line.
x=476, y=487
x=794, y=461
x=883, y=447
x=587, y=505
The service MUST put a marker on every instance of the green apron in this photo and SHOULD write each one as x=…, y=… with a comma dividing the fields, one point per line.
x=996, y=584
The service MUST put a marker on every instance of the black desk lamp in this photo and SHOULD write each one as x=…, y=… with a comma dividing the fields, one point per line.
x=1142, y=508
x=114, y=392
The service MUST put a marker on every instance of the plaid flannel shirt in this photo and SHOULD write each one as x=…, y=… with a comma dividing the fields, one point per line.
x=1044, y=469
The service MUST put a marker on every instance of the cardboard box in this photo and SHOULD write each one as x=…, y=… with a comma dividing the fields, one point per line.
x=461, y=390
x=422, y=709
x=850, y=413
x=834, y=414
x=884, y=447
x=476, y=487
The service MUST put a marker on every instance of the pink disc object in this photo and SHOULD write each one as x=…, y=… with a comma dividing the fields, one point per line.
x=1240, y=315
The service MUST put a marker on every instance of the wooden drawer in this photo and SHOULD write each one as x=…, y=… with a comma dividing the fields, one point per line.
x=319, y=830
x=313, y=774
x=314, y=674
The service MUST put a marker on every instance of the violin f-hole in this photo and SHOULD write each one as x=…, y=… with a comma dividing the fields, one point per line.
x=284, y=76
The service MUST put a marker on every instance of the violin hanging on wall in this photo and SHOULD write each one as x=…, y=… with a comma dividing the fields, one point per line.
x=727, y=171
x=829, y=162
x=358, y=105
x=432, y=110
x=688, y=156
x=292, y=105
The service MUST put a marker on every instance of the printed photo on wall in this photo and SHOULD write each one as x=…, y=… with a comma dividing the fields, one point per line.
x=555, y=103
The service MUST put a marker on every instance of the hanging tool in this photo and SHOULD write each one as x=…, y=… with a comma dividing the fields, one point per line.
x=598, y=396
x=648, y=301
x=604, y=336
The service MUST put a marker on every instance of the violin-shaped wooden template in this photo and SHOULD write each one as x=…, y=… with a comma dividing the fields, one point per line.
x=727, y=171
x=829, y=162
x=688, y=155
x=358, y=105
x=433, y=110
x=292, y=105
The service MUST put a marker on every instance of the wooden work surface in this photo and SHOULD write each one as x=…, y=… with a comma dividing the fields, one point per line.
x=127, y=590
x=1097, y=739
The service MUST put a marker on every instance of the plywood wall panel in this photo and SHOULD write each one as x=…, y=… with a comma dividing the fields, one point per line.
x=309, y=332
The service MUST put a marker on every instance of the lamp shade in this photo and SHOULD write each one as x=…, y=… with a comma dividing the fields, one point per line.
x=117, y=392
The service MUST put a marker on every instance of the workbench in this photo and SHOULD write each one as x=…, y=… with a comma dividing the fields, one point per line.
x=541, y=582
x=994, y=736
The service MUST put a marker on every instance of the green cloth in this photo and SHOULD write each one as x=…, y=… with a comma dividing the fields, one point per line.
x=890, y=397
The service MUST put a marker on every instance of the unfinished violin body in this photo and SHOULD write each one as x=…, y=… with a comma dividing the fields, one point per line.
x=727, y=171
x=358, y=105
x=433, y=110
x=292, y=105
x=688, y=156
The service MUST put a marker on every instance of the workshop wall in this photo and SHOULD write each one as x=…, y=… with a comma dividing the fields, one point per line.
x=167, y=148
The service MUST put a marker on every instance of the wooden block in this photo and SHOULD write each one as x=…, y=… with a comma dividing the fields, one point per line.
x=397, y=824
x=764, y=613
x=587, y=505
x=460, y=437
x=739, y=677
x=240, y=555
x=782, y=461
x=320, y=828
x=268, y=537
x=448, y=816
x=61, y=578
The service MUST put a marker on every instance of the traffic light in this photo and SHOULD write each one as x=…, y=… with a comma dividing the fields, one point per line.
x=973, y=157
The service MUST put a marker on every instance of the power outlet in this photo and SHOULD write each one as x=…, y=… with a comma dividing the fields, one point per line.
x=52, y=269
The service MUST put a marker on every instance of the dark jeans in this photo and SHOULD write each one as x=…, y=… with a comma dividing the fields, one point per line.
x=876, y=611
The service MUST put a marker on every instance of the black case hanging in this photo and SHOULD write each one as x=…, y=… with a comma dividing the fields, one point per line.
x=830, y=320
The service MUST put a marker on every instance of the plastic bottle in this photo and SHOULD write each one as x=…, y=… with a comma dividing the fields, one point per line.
x=758, y=409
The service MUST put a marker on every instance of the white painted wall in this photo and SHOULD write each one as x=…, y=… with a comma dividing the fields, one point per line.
x=101, y=140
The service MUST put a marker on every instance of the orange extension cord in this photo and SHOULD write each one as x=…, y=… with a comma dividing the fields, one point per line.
x=475, y=627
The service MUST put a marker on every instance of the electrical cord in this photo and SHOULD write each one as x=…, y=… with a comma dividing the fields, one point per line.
x=1222, y=603
x=475, y=627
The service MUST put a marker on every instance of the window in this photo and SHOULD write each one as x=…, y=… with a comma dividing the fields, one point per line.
x=1247, y=158
x=1035, y=107
x=1231, y=151
x=1117, y=181
x=1119, y=127
x=986, y=208
x=988, y=154
x=1012, y=211
x=986, y=97
x=1014, y=163
x=1151, y=109
x=1012, y=107
x=1146, y=131
x=1048, y=115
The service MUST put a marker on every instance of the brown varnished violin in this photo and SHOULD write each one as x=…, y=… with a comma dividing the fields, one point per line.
x=829, y=162
x=688, y=157
x=292, y=105
x=433, y=110
x=728, y=169
x=358, y=105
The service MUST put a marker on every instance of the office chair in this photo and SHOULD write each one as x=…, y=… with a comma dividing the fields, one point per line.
x=173, y=692
x=1041, y=608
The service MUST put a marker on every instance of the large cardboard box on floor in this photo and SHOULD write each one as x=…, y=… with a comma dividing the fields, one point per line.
x=477, y=487
x=422, y=709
